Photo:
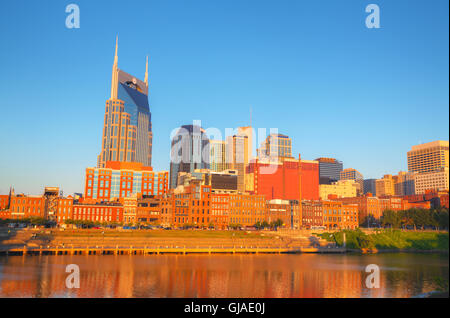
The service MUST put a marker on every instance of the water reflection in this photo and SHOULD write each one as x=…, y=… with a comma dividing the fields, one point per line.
x=402, y=275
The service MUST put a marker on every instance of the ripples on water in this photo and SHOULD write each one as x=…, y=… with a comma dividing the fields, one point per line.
x=306, y=275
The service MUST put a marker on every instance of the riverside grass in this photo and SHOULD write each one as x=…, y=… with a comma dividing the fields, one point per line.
x=391, y=240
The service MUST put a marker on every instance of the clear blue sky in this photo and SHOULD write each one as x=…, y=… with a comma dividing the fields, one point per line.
x=309, y=68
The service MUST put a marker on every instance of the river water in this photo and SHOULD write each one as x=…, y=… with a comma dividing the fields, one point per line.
x=301, y=275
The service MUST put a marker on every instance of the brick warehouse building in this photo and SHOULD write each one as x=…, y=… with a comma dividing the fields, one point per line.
x=337, y=215
x=192, y=205
x=312, y=214
x=246, y=210
x=282, y=180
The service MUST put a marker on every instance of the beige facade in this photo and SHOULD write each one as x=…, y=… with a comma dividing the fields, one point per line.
x=431, y=181
x=428, y=157
x=385, y=186
x=238, y=153
x=340, y=189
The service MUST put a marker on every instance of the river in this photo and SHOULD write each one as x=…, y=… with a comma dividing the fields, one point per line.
x=294, y=276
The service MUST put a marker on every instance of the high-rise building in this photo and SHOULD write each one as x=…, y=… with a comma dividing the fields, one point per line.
x=190, y=151
x=329, y=170
x=127, y=129
x=428, y=157
x=239, y=154
x=353, y=174
x=276, y=147
x=370, y=186
x=217, y=155
x=404, y=183
x=247, y=131
x=437, y=180
x=385, y=186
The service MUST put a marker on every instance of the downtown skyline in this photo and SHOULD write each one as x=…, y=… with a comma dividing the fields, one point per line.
x=53, y=130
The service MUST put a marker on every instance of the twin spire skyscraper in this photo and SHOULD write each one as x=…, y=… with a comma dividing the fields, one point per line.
x=127, y=129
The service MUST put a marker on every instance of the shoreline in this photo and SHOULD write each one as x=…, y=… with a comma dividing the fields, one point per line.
x=242, y=250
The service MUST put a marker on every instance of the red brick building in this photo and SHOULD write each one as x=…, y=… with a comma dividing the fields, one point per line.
x=220, y=205
x=310, y=179
x=192, y=205
x=26, y=207
x=312, y=214
x=112, y=212
x=278, y=210
x=337, y=215
x=282, y=179
x=246, y=210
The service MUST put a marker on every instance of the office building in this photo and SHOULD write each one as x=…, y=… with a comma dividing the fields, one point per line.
x=276, y=147
x=353, y=174
x=329, y=170
x=217, y=155
x=404, y=183
x=127, y=129
x=190, y=151
x=339, y=189
x=437, y=180
x=385, y=186
x=428, y=157
x=370, y=186
x=123, y=179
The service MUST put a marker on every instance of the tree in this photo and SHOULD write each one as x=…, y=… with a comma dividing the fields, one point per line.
x=391, y=218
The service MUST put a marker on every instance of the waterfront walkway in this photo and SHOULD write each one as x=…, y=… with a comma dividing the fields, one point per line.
x=145, y=250
x=38, y=242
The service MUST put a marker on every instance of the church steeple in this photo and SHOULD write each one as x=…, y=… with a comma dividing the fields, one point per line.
x=115, y=73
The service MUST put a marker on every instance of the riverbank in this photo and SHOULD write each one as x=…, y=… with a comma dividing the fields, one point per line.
x=144, y=242
x=388, y=241
x=118, y=242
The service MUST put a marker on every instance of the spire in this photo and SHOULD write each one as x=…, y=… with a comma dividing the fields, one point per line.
x=115, y=73
x=146, y=72
x=116, y=58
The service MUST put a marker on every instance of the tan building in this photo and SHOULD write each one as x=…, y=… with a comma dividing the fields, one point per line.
x=428, y=157
x=404, y=183
x=238, y=155
x=385, y=186
x=353, y=174
x=431, y=181
x=339, y=189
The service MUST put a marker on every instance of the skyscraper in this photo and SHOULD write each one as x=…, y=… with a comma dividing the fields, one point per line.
x=127, y=129
x=190, y=150
x=329, y=170
x=276, y=147
x=238, y=156
x=428, y=157
x=217, y=155
x=370, y=186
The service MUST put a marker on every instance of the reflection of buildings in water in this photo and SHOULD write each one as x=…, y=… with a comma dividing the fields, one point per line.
x=342, y=283
x=214, y=276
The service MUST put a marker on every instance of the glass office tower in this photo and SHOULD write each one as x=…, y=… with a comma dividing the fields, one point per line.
x=127, y=129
